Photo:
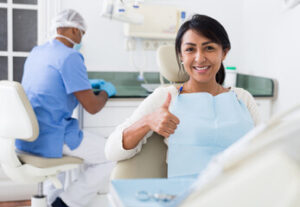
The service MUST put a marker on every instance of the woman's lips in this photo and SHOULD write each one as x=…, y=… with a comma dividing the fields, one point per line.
x=201, y=68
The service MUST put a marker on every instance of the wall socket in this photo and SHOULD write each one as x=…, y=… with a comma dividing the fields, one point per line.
x=150, y=44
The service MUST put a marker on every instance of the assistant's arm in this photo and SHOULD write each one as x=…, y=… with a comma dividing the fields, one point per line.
x=74, y=76
x=91, y=103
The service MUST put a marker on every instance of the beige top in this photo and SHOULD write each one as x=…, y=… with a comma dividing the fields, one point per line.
x=114, y=146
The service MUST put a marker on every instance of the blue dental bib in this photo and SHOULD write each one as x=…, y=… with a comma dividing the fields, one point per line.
x=208, y=125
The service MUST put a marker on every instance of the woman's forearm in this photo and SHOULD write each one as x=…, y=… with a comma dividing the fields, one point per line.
x=133, y=134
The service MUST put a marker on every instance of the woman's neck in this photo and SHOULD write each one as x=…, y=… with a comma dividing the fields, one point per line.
x=213, y=88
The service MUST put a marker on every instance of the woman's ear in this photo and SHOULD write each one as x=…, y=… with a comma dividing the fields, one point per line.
x=180, y=57
x=225, y=52
x=181, y=61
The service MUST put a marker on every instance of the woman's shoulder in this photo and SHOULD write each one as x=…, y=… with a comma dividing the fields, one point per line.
x=163, y=90
x=244, y=95
x=158, y=96
x=248, y=99
x=241, y=93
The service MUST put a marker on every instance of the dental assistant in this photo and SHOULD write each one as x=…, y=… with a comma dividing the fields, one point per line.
x=55, y=81
x=199, y=118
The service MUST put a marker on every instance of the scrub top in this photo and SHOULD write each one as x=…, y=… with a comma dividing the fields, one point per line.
x=52, y=73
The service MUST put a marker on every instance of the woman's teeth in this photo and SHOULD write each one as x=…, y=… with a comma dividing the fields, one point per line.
x=201, y=68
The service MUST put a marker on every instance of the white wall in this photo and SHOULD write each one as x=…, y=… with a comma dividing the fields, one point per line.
x=103, y=44
x=271, y=46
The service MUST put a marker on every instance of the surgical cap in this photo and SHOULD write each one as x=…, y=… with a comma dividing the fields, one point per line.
x=69, y=18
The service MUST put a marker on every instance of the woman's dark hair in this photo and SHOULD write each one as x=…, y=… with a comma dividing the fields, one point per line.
x=211, y=29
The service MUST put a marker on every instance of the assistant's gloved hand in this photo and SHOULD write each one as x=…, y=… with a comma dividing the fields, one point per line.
x=109, y=88
x=95, y=83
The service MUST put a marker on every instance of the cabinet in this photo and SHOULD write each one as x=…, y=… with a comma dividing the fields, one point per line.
x=114, y=113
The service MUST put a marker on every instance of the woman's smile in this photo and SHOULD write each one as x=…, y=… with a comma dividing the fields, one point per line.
x=201, y=69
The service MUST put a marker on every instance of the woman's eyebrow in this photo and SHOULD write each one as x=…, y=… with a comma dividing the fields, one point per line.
x=190, y=43
x=193, y=44
x=208, y=42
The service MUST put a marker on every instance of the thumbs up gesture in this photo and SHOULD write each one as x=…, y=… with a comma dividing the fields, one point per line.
x=162, y=121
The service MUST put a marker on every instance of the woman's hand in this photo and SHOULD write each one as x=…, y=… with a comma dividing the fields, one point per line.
x=162, y=121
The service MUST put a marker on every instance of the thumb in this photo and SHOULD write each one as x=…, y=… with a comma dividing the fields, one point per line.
x=167, y=101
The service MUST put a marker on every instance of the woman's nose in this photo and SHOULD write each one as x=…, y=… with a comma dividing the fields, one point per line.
x=200, y=57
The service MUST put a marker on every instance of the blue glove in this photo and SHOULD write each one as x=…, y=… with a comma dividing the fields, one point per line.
x=109, y=88
x=95, y=83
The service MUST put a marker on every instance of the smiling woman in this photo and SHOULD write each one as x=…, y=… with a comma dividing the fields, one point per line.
x=201, y=46
x=200, y=118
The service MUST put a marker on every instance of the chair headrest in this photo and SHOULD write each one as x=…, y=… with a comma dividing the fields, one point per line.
x=166, y=60
x=17, y=118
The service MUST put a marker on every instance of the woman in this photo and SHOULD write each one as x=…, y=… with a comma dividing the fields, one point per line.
x=199, y=118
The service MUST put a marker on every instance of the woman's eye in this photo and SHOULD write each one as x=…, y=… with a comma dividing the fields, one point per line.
x=190, y=49
x=210, y=48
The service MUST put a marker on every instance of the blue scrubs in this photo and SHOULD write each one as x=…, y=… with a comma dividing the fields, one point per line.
x=52, y=73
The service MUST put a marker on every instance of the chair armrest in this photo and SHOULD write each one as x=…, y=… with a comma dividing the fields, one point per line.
x=149, y=163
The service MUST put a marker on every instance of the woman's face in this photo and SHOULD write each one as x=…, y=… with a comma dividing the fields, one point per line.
x=201, y=57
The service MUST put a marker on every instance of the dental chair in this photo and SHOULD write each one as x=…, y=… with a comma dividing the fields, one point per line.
x=263, y=170
x=18, y=121
x=150, y=162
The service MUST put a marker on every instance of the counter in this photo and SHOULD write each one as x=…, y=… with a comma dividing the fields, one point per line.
x=128, y=86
